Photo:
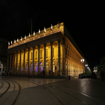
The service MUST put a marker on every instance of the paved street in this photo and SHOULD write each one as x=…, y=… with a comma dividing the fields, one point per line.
x=37, y=91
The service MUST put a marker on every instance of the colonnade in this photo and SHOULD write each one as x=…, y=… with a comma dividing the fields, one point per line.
x=46, y=59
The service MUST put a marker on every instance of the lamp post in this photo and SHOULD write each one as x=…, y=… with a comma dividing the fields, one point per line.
x=83, y=60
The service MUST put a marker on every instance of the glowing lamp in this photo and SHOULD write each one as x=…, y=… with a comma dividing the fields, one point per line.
x=86, y=65
x=25, y=37
x=21, y=38
x=34, y=33
x=14, y=41
x=44, y=29
x=17, y=40
x=51, y=27
x=39, y=31
x=82, y=60
x=29, y=35
x=9, y=43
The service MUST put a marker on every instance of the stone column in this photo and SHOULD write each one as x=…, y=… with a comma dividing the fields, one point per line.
x=38, y=59
x=10, y=64
x=13, y=63
x=20, y=62
x=16, y=63
x=51, y=60
x=28, y=60
x=24, y=63
x=33, y=61
x=59, y=71
x=7, y=63
x=45, y=58
x=64, y=59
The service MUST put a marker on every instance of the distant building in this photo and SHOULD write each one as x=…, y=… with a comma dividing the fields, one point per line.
x=51, y=51
x=3, y=54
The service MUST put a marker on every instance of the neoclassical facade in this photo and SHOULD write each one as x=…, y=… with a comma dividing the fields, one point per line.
x=46, y=52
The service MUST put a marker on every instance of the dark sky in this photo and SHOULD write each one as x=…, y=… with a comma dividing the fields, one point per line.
x=86, y=25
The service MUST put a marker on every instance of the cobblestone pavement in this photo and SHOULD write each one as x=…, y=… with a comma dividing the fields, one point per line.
x=37, y=91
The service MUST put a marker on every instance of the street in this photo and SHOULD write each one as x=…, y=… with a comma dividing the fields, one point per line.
x=38, y=91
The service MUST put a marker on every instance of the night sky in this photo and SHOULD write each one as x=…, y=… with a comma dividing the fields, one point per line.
x=85, y=25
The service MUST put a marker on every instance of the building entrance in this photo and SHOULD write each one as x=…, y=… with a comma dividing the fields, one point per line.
x=31, y=68
x=36, y=68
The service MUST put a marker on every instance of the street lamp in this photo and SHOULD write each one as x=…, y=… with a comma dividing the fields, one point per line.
x=86, y=65
x=82, y=60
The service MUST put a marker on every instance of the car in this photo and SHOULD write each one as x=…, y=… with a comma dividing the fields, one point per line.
x=85, y=75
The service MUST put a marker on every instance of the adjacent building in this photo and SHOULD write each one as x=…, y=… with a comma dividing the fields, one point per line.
x=51, y=51
x=3, y=54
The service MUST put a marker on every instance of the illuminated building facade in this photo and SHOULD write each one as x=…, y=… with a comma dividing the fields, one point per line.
x=46, y=52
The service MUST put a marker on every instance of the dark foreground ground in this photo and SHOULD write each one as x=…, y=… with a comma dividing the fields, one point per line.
x=37, y=91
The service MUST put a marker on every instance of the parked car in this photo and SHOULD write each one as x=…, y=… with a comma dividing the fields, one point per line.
x=85, y=75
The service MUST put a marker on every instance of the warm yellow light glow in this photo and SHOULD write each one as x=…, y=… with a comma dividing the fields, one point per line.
x=54, y=28
x=82, y=60
x=11, y=42
x=8, y=43
x=44, y=29
x=17, y=40
x=14, y=41
x=51, y=27
x=29, y=35
x=39, y=31
x=25, y=37
x=34, y=33
x=21, y=38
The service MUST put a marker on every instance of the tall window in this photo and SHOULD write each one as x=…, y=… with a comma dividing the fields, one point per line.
x=31, y=55
x=40, y=53
x=27, y=56
x=46, y=53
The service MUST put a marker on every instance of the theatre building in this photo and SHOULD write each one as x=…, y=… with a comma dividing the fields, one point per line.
x=48, y=52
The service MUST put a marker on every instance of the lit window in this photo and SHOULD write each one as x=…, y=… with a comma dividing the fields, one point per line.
x=40, y=53
x=53, y=52
x=31, y=55
x=36, y=54
x=27, y=56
